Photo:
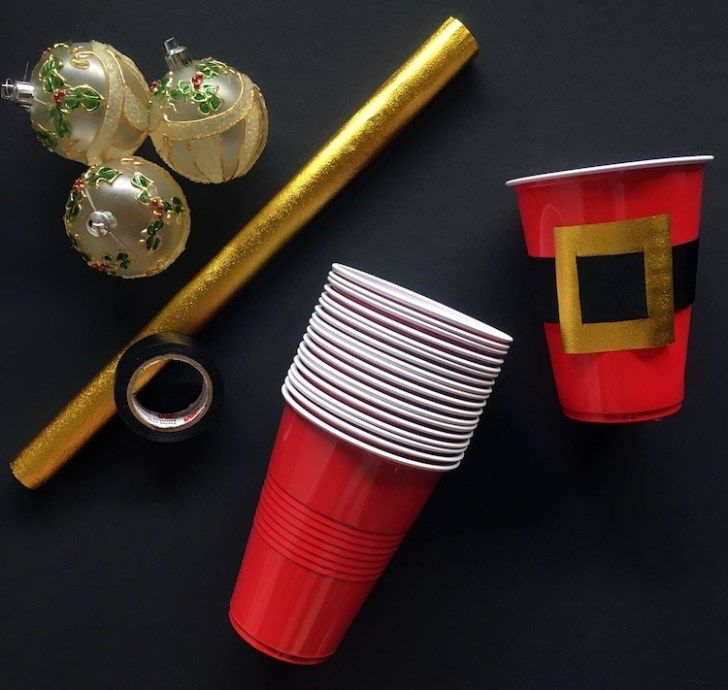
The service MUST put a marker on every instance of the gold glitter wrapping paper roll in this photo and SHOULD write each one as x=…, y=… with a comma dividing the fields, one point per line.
x=415, y=83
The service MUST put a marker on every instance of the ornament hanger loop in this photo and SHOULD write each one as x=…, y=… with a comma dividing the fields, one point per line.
x=176, y=56
x=20, y=92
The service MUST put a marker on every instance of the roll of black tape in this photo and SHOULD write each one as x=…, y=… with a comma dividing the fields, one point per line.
x=166, y=426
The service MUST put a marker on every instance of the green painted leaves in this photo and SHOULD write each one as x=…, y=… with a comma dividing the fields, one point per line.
x=112, y=264
x=141, y=181
x=162, y=210
x=95, y=176
x=92, y=177
x=73, y=206
x=65, y=98
x=61, y=125
x=109, y=264
x=82, y=96
x=49, y=74
x=207, y=100
x=203, y=94
x=210, y=67
x=153, y=241
x=46, y=138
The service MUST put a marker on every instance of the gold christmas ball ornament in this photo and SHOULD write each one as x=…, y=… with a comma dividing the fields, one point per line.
x=127, y=218
x=208, y=121
x=87, y=102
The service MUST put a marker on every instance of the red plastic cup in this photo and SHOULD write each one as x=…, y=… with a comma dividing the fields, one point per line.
x=627, y=385
x=328, y=521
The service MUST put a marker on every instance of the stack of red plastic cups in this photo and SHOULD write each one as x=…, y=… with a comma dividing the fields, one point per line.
x=382, y=398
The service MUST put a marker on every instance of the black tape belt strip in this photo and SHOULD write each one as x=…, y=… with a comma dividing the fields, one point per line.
x=611, y=288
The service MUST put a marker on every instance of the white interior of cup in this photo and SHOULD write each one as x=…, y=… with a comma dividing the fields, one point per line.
x=611, y=168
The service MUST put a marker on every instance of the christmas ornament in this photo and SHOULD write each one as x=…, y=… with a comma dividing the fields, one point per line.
x=87, y=102
x=208, y=121
x=127, y=218
x=385, y=113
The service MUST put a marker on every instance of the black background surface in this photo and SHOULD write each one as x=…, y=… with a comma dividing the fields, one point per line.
x=560, y=555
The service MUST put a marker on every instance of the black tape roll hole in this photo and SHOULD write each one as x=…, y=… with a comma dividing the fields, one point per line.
x=174, y=420
x=158, y=412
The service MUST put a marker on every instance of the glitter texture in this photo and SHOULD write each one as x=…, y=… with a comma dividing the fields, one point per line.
x=396, y=102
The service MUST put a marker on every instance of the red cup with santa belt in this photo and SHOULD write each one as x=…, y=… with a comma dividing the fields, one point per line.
x=613, y=253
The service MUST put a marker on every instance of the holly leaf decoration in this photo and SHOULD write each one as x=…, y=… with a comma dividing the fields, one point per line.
x=71, y=101
x=155, y=227
x=96, y=176
x=90, y=99
x=60, y=121
x=50, y=78
x=153, y=240
x=46, y=138
x=141, y=181
x=210, y=67
x=184, y=87
x=177, y=206
x=73, y=206
x=161, y=85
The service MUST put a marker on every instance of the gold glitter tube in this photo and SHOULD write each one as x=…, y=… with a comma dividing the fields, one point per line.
x=394, y=104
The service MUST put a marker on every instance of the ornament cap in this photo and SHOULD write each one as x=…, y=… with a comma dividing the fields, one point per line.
x=20, y=92
x=177, y=56
x=100, y=223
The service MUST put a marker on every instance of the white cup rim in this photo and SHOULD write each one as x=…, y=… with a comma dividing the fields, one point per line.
x=612, y=167
x=438, y=341
x=388, y=402
x=373, y=426
x=333, y=321
x=390, y=363
x=443, y=328
x=299, y=409
x=412, y=346
x=395, y=392
x=416, y=300
x=392, y=380
x=371, y=409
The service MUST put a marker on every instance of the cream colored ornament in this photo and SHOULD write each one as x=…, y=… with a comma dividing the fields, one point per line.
x=87, y=102
x=208, y=121
x=127, y=217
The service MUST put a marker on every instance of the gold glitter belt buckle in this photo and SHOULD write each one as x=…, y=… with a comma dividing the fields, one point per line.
x=649, y=237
